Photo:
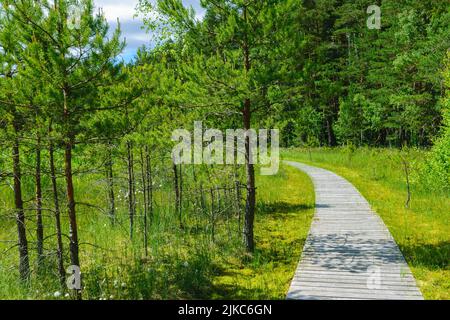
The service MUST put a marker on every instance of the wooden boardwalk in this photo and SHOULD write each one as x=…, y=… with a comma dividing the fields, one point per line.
x=349, y=252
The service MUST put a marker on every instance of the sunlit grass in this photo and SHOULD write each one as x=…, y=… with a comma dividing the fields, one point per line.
x=182, y=263
x=284, y=216
x=187, y=264
x=422, y=231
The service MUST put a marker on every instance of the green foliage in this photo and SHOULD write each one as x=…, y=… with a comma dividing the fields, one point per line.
x=436, y=171
x=375, y=87
x=310, y=68
x=351, y=123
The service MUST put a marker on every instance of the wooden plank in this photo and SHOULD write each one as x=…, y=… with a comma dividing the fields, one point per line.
x=408, y=283
x=361, y=290
x=356, y=285
x=319, y=295
x=349, y=273
x=303, y=297
x=348, y=247
x=344, y=273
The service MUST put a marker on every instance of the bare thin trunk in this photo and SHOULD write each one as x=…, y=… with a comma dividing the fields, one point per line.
x=212, y=217
x=39, y=225
x=74, y=257
x=408, y=187
x=238, y=204
x=177, y=193
x=330, y=133
x=149, y=183
x=60, y=249
x=181, y=195
x=70, y=191
x=251, y=190
x=144, y=187
x=130, y=187
x=110, y=183
x=202, y=199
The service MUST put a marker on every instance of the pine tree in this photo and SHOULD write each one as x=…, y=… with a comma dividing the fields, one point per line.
x=70, y=55
x=13, y=120
x=225, y=59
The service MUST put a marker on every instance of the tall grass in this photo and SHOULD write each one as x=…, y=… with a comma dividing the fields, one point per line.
x=421, y=230
x=182, y=262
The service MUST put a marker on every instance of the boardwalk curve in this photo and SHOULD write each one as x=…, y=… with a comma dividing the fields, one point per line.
x=349, y=252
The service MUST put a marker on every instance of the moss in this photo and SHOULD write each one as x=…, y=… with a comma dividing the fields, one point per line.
x=283, y=220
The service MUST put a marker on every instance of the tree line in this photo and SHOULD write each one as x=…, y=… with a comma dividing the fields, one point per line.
x=311, y=68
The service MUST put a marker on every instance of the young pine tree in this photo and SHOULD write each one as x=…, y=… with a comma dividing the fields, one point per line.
x=69, y=51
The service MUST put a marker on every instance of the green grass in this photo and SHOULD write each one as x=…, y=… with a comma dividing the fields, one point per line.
x=422, y=231
x=182, y=263
x=284, y=217
x=186, y=263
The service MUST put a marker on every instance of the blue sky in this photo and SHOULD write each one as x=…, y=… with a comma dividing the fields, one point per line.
x=132, y=27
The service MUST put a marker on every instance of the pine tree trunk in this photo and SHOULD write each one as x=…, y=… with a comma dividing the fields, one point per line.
x=60, y=249
x=202, y=199
x=130, y=164
x=73, y=234
x=144, y=187
x=181, y=195
x=212, y=217
x=330, y=133
x=110, y=183
x=24, y=263
x=238, y=204
x=74, y=256
x=251, y=189
x=39, y=225
x=149, y=183
x=408, y=185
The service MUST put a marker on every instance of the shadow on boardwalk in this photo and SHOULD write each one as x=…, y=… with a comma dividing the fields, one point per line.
x=349, y=252
x=335, y=253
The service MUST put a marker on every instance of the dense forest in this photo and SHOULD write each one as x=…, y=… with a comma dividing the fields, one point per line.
x=86, y=177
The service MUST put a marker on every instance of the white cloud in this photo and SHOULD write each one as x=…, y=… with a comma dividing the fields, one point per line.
x=132, y=27
x=117, y=9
